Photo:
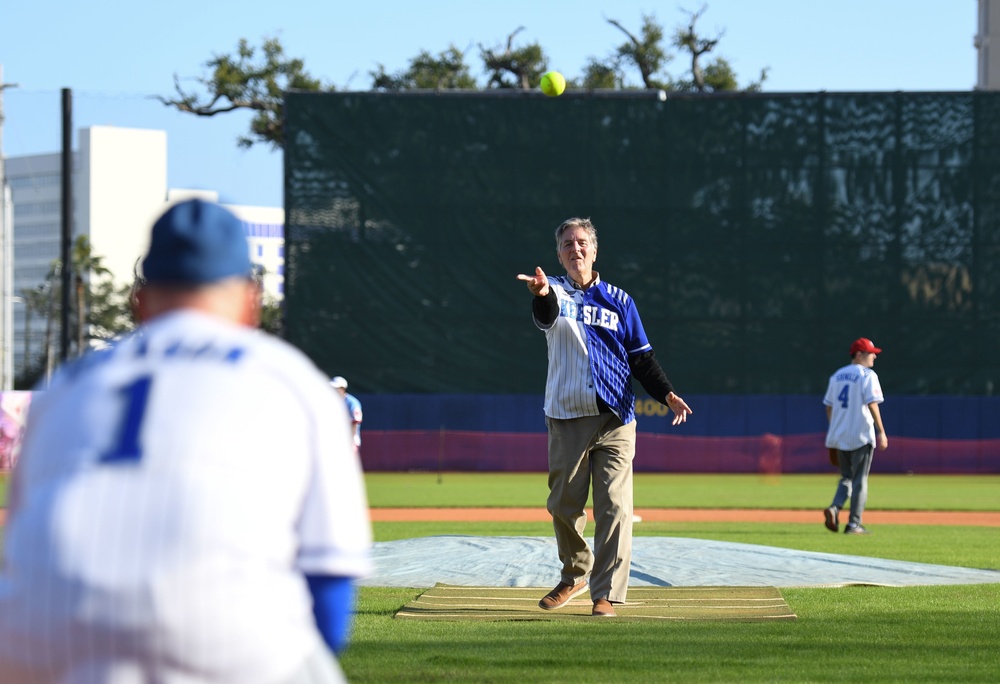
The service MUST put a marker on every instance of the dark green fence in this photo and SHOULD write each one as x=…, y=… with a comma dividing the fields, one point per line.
x=759, y=234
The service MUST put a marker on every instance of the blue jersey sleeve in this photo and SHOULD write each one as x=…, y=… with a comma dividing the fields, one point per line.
x=333, y=606
x=635, y=341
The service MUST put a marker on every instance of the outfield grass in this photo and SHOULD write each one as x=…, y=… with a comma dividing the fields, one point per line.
x=671, y=490
x=860, y=634
x=679, y=490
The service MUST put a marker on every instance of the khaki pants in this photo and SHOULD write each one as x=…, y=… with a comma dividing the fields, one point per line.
x=598, y=450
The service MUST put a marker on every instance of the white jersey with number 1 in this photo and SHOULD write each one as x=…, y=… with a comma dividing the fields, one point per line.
x=158, y=527
x=849, y=392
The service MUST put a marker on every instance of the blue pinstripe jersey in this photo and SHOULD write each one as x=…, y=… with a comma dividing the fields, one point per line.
x=589, y=345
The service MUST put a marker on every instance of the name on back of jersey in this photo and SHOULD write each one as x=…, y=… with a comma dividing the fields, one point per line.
x=589, y=315
x=178, y=350
x=208, y=351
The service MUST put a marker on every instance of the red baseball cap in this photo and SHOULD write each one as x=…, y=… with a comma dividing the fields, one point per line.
x=863, y=344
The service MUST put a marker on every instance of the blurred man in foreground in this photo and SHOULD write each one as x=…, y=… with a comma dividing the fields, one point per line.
x=159, y=530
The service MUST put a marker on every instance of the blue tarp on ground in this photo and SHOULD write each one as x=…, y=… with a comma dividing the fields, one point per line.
x=656, y=561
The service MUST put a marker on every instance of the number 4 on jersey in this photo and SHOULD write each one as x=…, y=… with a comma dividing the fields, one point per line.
x=127, y=448
x=843, y=396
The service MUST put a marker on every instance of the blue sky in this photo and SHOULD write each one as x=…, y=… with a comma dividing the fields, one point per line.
x=116, y=53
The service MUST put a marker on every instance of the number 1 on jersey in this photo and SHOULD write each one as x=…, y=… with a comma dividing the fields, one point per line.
x=127, y=448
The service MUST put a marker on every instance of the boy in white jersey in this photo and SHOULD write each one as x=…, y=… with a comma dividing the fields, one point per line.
x=852, y=409
x=596, y=343
x=157, y=533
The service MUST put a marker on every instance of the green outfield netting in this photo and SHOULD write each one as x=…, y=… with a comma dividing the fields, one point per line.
x=759, y=234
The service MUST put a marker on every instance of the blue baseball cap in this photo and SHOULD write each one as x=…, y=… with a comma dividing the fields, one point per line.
x=196, y=242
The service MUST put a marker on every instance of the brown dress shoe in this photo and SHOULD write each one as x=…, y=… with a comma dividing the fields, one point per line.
x=603, y=608
x=560, y=596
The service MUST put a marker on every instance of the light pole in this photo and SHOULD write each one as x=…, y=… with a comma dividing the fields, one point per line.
x=7, y=285
x=7, y=264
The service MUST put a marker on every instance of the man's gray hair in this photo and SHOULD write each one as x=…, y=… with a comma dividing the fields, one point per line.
x=576, y=223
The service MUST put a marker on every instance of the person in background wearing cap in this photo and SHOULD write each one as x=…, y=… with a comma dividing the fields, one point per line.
x=354, y=413
x=852, y=410
x=150, y=537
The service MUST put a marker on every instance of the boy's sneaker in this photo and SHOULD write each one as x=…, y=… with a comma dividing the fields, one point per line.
x=855, y=529
x=832, y=519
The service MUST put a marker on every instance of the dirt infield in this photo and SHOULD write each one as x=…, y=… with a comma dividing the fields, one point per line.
x=973, y=518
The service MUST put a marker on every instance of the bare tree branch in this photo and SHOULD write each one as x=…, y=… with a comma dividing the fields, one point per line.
x=251, y=78
x=645, y=53
x=525, y=64
x=697, y=46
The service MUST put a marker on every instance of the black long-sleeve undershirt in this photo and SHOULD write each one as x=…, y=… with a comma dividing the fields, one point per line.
x=645, y=368
x=545, y=309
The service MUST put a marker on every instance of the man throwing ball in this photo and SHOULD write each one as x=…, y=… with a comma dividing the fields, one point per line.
x=596, y=343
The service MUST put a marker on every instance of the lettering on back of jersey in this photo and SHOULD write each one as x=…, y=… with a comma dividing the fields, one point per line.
x=847, y=377
x=568, y=309
x=209, y=351
x=589, y=315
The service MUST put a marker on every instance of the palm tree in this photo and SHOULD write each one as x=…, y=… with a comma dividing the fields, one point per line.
x=86, y=266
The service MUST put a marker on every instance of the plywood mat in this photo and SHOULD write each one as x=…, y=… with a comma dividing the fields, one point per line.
x=457, y=603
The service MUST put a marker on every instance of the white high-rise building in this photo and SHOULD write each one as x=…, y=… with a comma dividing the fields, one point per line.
x=119, y=188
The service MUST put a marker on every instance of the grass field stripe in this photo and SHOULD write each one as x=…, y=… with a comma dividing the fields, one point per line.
x=786, y=616
x=462, y=617
x=485, y=598
x=695, y=600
